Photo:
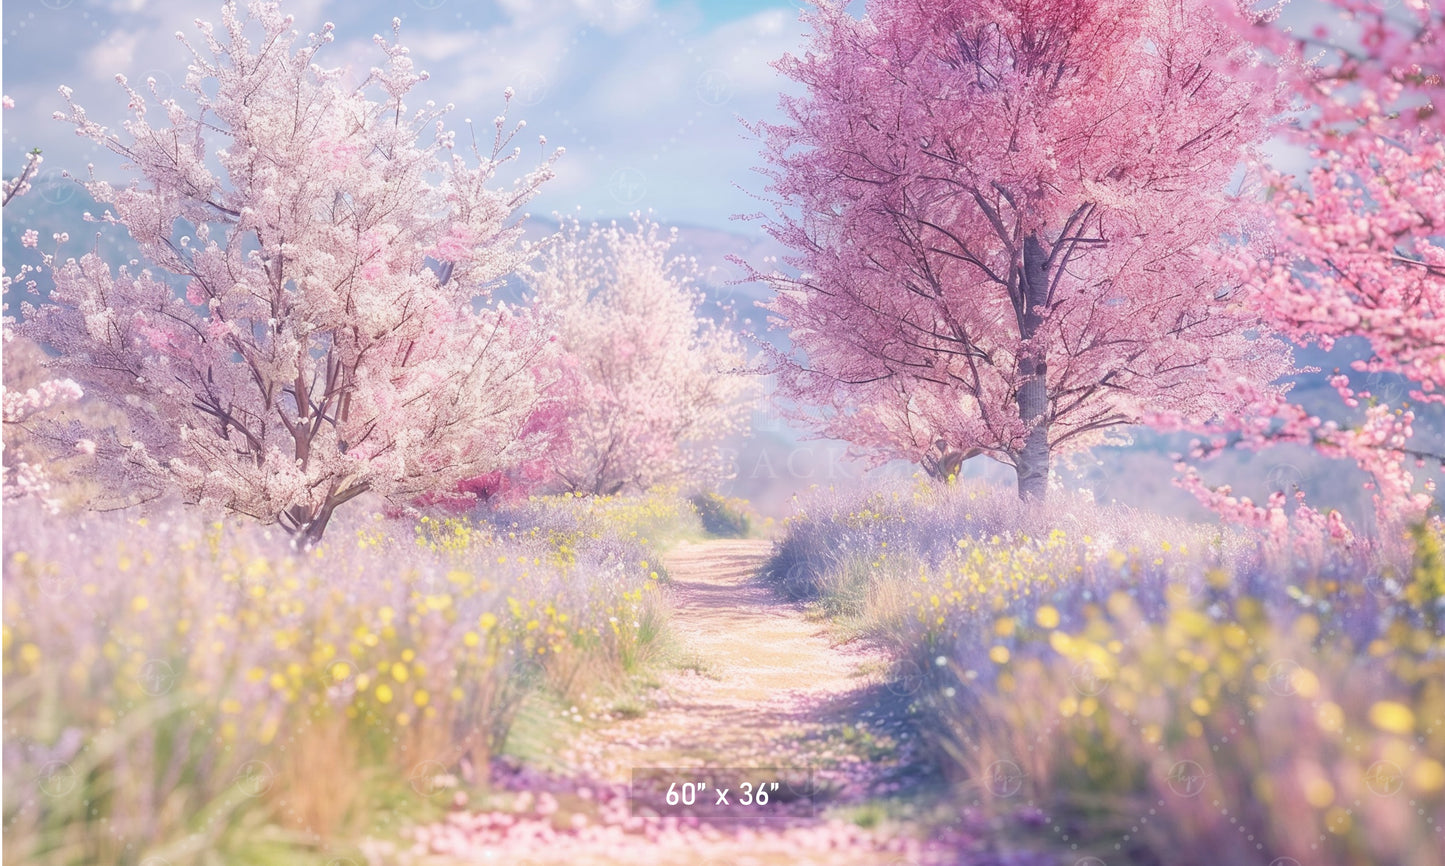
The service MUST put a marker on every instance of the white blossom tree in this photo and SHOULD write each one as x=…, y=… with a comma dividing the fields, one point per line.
x=311, y=320
x=657, y=387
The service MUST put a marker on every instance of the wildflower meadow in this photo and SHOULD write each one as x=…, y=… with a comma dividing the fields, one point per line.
x=1126, y=686
x=174, y=683
x=723, y=433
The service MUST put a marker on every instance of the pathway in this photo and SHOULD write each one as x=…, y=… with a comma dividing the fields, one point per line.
x=772, y=690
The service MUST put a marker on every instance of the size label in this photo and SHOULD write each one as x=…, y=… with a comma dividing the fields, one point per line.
x=722, y=792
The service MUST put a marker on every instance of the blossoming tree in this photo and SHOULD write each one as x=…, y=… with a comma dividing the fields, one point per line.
x=1358, y=249
x=656, y=387
x=1008, y=219
x=311, y=319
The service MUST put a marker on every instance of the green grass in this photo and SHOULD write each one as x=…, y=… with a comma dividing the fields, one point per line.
x=722, y=517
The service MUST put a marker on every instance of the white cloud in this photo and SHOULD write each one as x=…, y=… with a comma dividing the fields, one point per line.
x=745, y=49
x=435, y=46
x=115, y=55
x=620, y=83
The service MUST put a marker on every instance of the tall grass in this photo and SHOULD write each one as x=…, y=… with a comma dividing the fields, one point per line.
x=1101, y=682
x=176, y=688
x=723, y=517
x=658, y=519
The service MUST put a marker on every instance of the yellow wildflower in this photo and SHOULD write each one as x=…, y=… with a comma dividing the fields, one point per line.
x=1393, y=717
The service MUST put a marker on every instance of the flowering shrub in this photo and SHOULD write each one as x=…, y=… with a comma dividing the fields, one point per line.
x=171, y=683
x=1125, y=683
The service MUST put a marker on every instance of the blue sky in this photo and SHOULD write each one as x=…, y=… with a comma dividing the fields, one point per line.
x=644, y=94
x=716, y=11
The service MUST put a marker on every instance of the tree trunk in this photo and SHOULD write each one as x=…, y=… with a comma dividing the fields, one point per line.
x=307, y=527
x=308, y=535
x=1032, y=461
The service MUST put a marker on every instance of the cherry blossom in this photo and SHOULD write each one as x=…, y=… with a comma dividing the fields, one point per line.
x=1357, y=249
x=1008, y=221
x=656, y=386
x=20, y=184
x=25, y=475
x=286, y=345
x=28, y=477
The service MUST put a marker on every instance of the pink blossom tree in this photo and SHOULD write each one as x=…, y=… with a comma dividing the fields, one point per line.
x=311, y=319
x=657, y=387
x=1009, y=220
x=1359, y=249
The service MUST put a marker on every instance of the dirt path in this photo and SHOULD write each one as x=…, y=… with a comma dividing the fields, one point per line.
x=771, y=690
x=769, y=678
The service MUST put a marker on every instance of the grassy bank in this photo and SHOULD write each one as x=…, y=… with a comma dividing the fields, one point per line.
x=1103, y=683
x=194, y=691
